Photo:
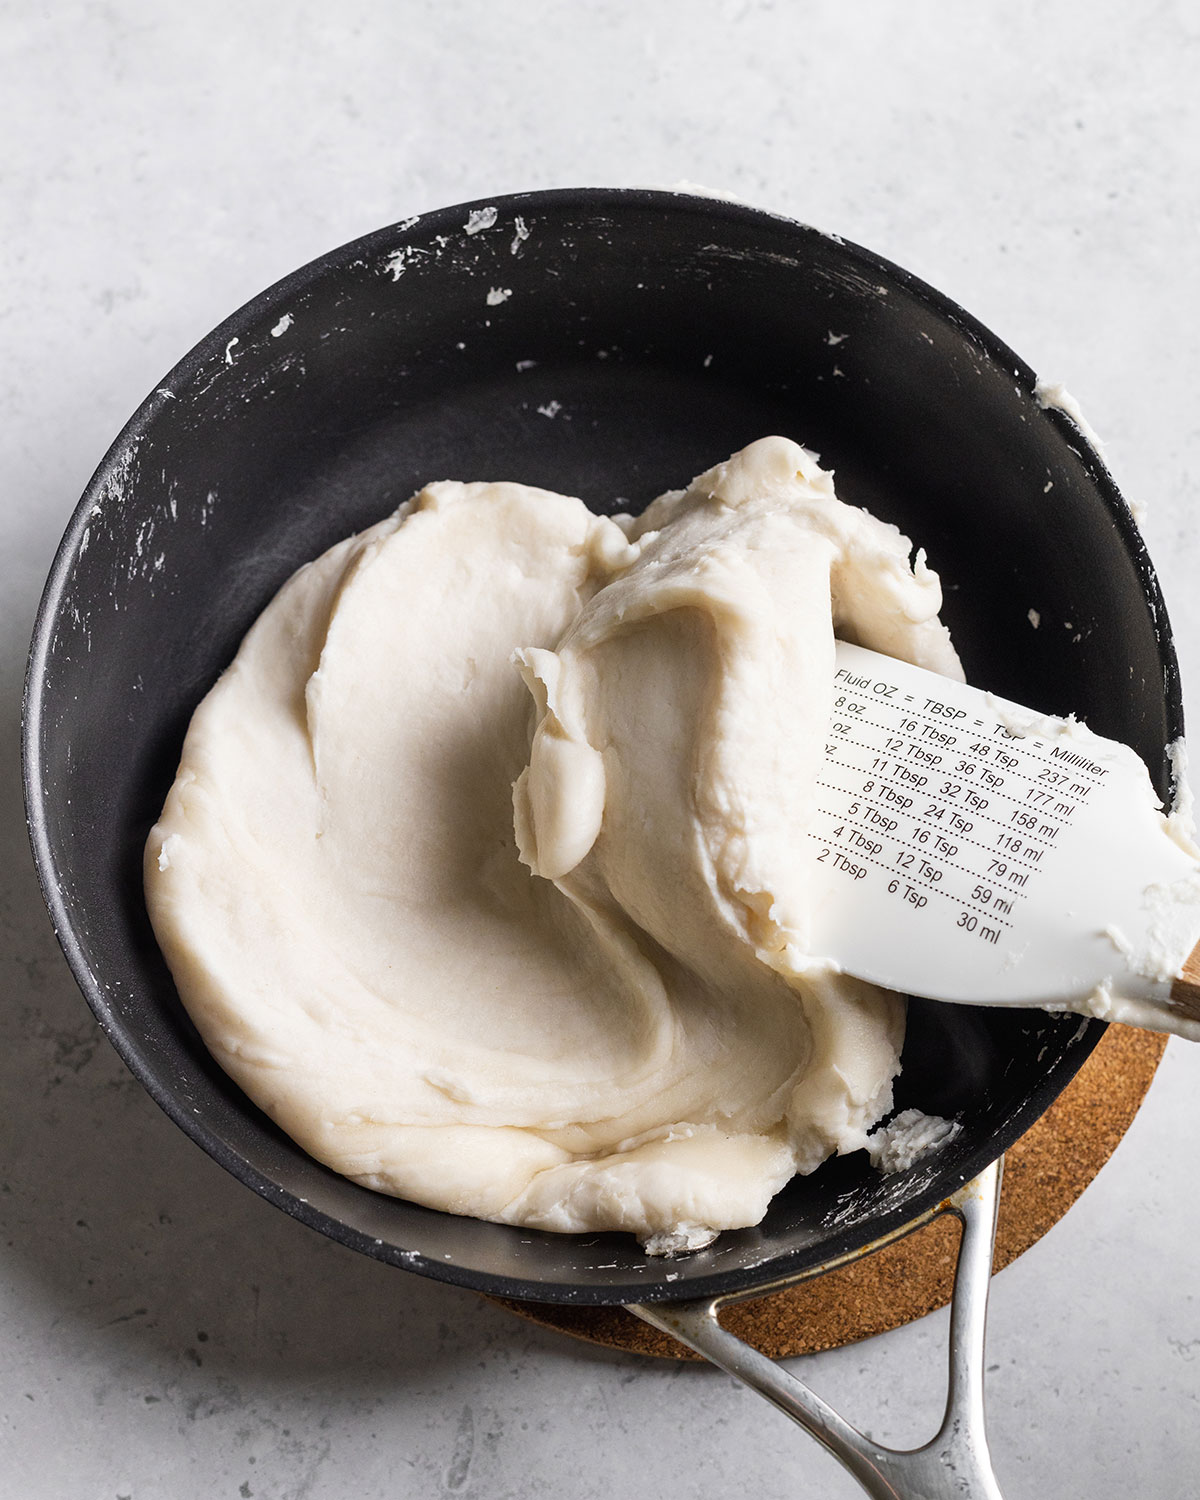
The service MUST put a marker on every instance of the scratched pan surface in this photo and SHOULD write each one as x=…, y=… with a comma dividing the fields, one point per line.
x=611, y=345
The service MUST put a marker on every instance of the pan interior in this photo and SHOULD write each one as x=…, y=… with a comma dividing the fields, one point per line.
x=609, y=345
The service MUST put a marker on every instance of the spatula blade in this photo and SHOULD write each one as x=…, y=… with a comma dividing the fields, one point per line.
x=965, y=848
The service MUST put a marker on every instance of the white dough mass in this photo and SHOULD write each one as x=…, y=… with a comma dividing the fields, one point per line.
x=584, y=1001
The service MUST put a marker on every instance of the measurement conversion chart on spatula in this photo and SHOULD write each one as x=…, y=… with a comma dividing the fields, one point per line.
x=948, y=818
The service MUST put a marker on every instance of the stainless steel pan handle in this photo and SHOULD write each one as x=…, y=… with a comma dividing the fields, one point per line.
x=954, y=1464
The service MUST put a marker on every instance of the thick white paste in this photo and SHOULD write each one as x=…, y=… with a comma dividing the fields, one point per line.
x=633, y=1037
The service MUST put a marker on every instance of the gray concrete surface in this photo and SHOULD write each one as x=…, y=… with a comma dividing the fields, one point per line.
x=165, y=1333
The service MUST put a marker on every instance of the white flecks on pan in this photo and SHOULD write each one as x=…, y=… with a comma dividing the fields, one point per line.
x=409, y=222
x=229, y=355
x=480, y=219
x=832, y=338
x=399, y=260
x=701, y=190
x=282, y=326
x=525, y=364
x=1181, y=819
x=115, y=487
x=551, y=409
x=845, y=277
x=520, y=234
x=1034, y=618
x=498, y=294
x=1054, y=394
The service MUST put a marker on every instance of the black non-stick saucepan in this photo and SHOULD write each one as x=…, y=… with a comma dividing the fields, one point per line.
x=609, y=344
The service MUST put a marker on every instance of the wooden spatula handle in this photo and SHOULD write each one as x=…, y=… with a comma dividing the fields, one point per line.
x=1185, y=992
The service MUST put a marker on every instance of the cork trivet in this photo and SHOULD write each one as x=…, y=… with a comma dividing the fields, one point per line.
x=1044, y=1173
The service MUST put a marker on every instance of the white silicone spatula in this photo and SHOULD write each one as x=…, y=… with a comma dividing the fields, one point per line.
x=967, y=849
